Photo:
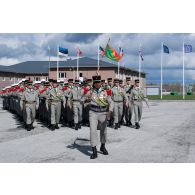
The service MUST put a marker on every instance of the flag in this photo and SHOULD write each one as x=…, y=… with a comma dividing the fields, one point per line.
x=112, y=54
x=101, y=51
x=79, y=52
x=63, y=51
x=165, y=49
x=121, y=51
x=187, y=48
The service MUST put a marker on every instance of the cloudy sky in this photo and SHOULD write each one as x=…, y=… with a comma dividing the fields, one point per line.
x=15, y=48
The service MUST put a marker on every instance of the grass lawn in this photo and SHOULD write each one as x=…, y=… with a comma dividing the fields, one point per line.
x=171, y=97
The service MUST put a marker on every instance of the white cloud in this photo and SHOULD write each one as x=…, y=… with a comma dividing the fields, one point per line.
x=16, y=48
x=8, y=61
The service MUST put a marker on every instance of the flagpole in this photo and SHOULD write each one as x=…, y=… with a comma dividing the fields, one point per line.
x=183, y=73
x=98, y=60
x=139, y=64
x=124, y=73
x=161, y=70
x=49, y=62
x=77, y=66
x=57, y=62
x=118, y=69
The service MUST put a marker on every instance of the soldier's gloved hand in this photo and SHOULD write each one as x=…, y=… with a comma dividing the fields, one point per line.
x=37, y=107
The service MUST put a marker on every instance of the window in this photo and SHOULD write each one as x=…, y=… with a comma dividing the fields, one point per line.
x=46, y=78
x=11, y=79
x=62, y=74
x=36, y=79
x=81, y=74
x=3, y=78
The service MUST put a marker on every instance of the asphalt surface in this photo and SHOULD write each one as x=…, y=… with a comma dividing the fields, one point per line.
x=167, y=134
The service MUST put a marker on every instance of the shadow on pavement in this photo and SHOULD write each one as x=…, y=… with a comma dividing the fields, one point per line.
x=85, y=149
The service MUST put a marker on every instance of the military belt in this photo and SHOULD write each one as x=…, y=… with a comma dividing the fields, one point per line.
x=55, y=101
x=118, y=101
x=98, y=108
x=137, y=100
x=29, y=102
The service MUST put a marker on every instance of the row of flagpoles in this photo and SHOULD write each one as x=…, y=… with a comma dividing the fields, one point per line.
x=114, y=55
x=109, y=52
x=164, y=49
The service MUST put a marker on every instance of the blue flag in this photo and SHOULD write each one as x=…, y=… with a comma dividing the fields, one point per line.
x=63, y=51
x=165, y=49
x=187, y=48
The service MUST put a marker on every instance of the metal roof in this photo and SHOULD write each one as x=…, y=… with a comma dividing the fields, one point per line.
x=43, y=66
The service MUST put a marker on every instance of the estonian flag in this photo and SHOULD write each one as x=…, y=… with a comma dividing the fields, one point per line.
x=63, y=51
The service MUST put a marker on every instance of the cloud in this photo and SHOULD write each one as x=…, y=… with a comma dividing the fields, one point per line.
x=16, y=48
x=6, y=60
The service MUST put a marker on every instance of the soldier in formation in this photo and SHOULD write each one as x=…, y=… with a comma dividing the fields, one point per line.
x=137, y=100
x=29, y=102
x=96, y=103
x=119, y=98
x=100, y=105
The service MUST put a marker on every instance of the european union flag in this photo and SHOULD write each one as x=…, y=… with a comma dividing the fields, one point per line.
x=165, y=49
x=187, y=48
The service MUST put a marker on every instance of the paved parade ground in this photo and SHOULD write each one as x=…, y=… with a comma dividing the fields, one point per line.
x=167, y=134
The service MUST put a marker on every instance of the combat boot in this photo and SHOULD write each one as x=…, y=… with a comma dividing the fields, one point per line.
x=79, y=125
x=119, y=125
x=137, y=126
x=94, y=154
x=127, y=123
x=70, y=124
x=103, y=149
x=28, y=127
x=31, y=126
x=87, y=124
x=56, y=126
x=116, y=126
x=131, y=125
x=76, y=127
x=122, y=122
x=52, y=127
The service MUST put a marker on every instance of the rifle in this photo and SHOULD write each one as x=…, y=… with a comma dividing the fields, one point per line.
x=129, y=91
